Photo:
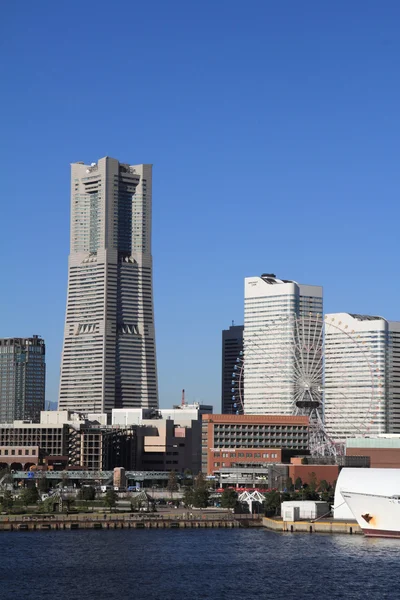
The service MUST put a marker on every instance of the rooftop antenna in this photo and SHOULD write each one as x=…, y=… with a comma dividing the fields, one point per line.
x=183, y=398
x=233, y=322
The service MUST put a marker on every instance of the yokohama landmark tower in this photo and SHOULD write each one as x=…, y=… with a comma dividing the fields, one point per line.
x=109, y=353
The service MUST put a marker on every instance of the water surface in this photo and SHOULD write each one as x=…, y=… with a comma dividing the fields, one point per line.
x=196, y=564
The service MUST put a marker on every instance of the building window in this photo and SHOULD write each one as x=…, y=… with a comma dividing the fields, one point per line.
x=265, y=455
x=249, y=455
x=257, y=455
x=12, y=452
x=216, y=464
x=33, y=452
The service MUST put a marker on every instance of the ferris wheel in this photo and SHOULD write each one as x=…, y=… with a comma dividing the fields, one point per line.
x=313, y=366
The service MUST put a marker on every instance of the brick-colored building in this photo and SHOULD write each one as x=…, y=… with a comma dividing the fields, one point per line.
x=306, y=472
x=380, y=458
x=383, y=451
x=231, y=440
x=19, y=457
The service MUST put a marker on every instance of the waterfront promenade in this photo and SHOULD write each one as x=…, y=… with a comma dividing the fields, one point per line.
x=187, y=519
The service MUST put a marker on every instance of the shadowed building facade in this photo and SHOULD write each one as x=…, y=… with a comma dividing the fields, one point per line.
x=232, y=347
x=109, y=352
x=22, y=378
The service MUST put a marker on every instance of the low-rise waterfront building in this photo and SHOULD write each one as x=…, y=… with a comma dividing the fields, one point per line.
x=65, y=437
x=138, y=439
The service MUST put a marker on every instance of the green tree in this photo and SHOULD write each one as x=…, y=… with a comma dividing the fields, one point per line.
x=111, y=498
x=304, y=460
x=187, y=477
x=313, y=483
x=229, y=498
x=201, y=497
x=200, y=492
x=8, y=501
x=289, y=484
x=298, y=484
x=188, y=496
x=29, y=495
x=87, y=493
x=272, y=502
x=67, y=502
x=172, y=485
x=324, y=485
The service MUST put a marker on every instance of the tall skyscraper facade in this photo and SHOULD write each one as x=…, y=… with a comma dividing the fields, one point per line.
x=22, y=379
x=109, y=352
x=362, y=376
x=271, y=334
x=232, y=347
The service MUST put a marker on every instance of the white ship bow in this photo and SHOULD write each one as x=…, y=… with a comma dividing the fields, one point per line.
x=376, y=515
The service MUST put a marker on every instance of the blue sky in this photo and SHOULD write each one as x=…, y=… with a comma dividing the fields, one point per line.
x=274, y=132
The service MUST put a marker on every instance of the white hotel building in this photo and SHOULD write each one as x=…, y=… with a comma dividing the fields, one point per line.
x=269, y=368
x=362, y=376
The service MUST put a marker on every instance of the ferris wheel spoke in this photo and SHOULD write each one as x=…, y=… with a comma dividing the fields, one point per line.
x=299, y=345
x=318, y=345
x=294, y=350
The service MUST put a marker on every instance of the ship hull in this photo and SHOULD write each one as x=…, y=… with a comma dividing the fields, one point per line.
x=378, y=516
x=381, y=533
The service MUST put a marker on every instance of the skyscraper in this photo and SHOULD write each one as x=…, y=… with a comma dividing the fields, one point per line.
x=232, y=346
x=109, y=352
x=362, y=376
x=271, y=335
x=22, y=379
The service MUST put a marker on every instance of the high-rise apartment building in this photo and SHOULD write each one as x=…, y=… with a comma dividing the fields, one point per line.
x=272, y=340
x=109, y=352
x=232, y=347
x=362, y=376
x=22, y=378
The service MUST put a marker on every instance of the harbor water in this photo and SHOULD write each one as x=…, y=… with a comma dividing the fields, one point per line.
x=195, y=565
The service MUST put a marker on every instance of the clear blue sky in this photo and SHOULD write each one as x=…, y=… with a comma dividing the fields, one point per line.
x=274, y=132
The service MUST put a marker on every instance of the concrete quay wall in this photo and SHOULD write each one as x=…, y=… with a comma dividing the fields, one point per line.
x=323, y=526
x=61, y=522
